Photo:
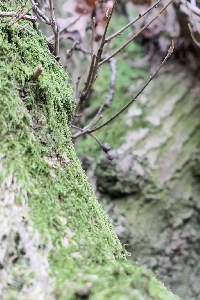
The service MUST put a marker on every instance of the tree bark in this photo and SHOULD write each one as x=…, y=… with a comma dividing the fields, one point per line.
x=153, y=181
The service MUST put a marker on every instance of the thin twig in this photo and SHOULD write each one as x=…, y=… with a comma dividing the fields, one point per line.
x=92, y=75
x=135, y=35
x=92, y=37
x=86, y=90
x=70, y=52
x=77, y=84
x=131, y=22
x=19, y=17
x=24, y=28
x=82, y=49
x=65, y=28
x=109, y=97
x=40, y=14
x=192, y=35
x=96, y=118
x=55, y=28
x=192, y=16
x=105, y=147
x=15, y=14
x=170, y=51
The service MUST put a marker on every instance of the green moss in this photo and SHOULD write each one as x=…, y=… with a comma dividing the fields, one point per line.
x=37, y=150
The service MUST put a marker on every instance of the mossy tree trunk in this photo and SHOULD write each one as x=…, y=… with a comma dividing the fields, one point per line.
x=55, y=240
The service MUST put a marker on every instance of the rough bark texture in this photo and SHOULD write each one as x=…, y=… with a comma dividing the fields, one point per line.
x=154, y=182
x=55, y=240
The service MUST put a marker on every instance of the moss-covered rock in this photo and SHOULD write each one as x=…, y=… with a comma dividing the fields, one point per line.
x=56, y=242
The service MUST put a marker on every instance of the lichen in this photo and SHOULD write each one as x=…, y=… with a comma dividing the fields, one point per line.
x=47, y=203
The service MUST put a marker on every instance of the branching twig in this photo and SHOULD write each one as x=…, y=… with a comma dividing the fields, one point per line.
x=19, y=17
x=94, y=64
x=96, y=118
x=40, y=14
x=131, y=22
x=170, y=51
x=135, y=35
x=90, y=130
x=105, y=146
x=97, y=60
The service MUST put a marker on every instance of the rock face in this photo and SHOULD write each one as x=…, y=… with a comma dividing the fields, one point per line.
x=154, y=182
x=55, y=239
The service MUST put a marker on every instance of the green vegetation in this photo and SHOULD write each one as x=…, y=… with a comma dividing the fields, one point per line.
x=83, y=254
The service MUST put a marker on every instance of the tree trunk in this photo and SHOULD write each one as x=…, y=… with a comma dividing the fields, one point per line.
x=154, y=181
x=56, y=242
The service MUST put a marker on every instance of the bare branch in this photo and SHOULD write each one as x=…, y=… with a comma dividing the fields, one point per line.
x=77, y=84
x=55, y=28
x=170, y=51
x=90, y=130
x=92, y=75
x=192, y=35
x=40, y=14
x=92, y=37
x=96, y=118
x=135, y=35
x=132, y=22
